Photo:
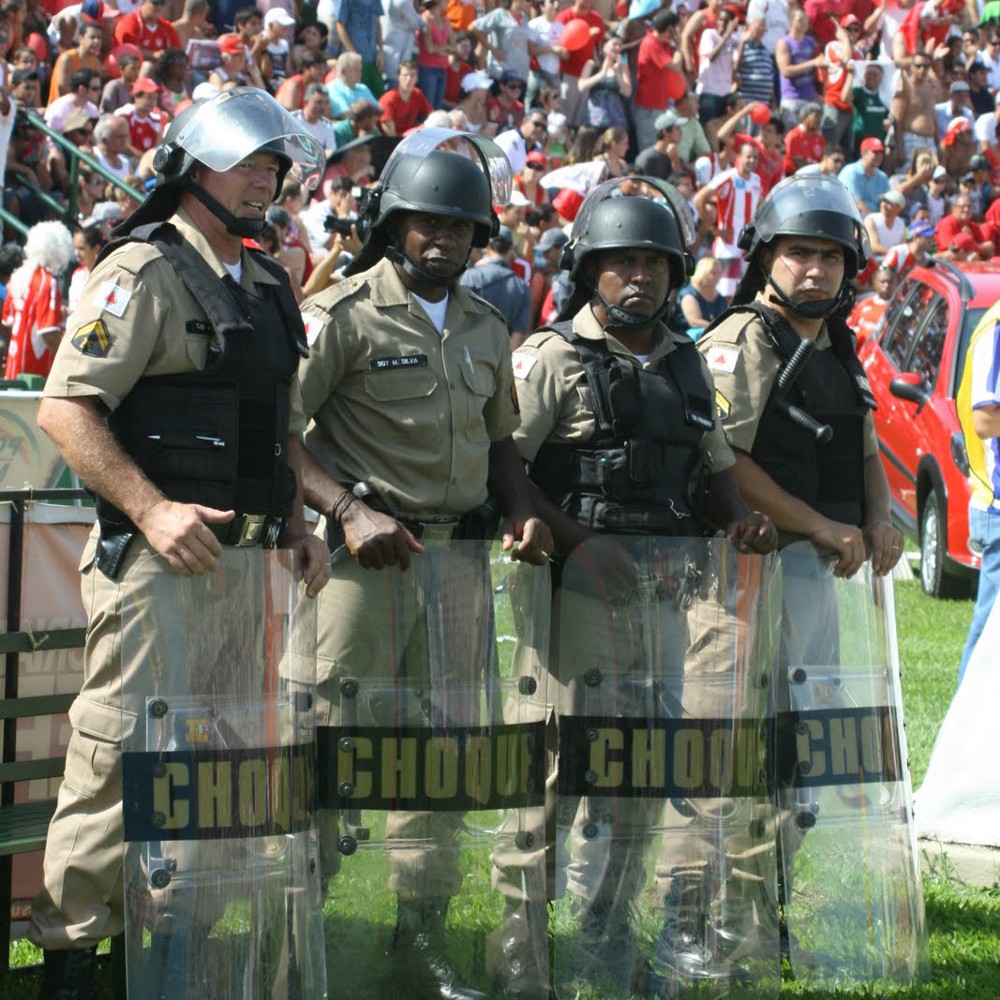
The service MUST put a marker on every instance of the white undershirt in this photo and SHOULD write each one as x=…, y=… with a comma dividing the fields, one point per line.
x=235, y=270
x=435, y=310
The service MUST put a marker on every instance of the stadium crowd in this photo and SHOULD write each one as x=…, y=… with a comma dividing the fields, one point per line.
x=898, y=98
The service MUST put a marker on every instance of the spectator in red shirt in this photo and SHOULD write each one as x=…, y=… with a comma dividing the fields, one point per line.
x=33, y=307
x=804, y=143
x=658, y=53
x=960, y=221
x=506, y=110
x=146, y=121
x=404, y=107
x=572, y=63
x=458, y=67
x=146, y=29
x=838, y=97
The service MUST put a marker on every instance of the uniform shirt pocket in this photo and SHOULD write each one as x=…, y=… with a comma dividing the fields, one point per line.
x=481, y=386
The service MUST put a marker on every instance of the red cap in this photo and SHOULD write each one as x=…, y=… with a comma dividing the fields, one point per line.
x=567, y=203
x=144, y=85
x=964, y=241
x=539, y=159
x=955, y=128
x=872, y=143
x=848, y=20
x=231, y=44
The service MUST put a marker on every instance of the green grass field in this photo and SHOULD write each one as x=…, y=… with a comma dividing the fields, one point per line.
x=962, y=921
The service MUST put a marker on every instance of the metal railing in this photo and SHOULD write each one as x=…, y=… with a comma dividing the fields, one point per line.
x=64, y=211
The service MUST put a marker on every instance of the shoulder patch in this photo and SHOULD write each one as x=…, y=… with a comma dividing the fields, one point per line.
x=522, y=364
x=722, y=359
x=93, y=340
x=112, y=298
x=313, y=326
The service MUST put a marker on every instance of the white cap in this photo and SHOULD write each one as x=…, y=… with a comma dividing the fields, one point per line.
x=277, y=15
x=205, y=92
x=518, y=200
x=475, y=81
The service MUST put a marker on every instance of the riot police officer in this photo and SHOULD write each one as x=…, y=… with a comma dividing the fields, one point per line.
x=619, y=431
x=184, y=339
x=796, y=407
x=410, y=390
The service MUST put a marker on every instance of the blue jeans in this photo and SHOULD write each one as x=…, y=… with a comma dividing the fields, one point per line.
x=431, y=80
x=984, y=528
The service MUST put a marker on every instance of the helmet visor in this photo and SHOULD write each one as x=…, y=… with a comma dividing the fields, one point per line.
x=238, y=122
x=489, y=155
x=795, y=197
x=647, y=187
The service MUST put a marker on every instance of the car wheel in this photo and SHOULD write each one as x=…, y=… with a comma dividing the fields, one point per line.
x=934, y=578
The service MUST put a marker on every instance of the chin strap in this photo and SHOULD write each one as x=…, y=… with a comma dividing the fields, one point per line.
x=235, y=226
x=624, y=318
x=816, y=309
x=415, y=271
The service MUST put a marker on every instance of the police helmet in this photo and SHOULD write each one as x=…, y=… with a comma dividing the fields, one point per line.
x=814, y=206
x=227, y=129
x=656, y=217
x=440, y=172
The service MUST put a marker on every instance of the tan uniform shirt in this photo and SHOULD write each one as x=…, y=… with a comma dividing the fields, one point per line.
x=393, y=402
x=556, y=403
x=744, y=366
x=137, y=319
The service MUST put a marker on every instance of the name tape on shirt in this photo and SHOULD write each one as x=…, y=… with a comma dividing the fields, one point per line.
x=522, y=364
x=92, y=340
x=112, y=298
x=723, y=359
x=406, y=361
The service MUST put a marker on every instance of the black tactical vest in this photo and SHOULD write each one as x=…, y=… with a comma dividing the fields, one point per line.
x=218, y=436
x=832, y=388
x=644, y=470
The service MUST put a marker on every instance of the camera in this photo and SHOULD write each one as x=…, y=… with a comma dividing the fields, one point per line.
x=332, y=224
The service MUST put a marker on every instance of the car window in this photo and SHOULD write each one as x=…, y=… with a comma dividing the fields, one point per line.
x=969, y=323
x=928, y=344
x=901, y=323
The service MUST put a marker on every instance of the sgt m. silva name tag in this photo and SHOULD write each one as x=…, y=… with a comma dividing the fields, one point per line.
x=407, y=361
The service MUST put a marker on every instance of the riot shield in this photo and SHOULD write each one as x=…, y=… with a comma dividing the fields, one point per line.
x=665, y=852
x=431, y=773
x=218, y=773
x=850, y=868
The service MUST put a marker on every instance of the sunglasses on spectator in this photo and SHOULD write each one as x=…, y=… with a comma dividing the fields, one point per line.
x=921, y=65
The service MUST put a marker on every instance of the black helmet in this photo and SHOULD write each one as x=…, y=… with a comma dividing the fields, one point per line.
x=616, y=222
x=219, y=134
x=421, y=176
x=811, y=205
x=659, y=220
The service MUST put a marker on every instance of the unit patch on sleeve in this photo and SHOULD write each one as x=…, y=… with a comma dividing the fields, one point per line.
x=112, y=298
x=313, y=325
x=722, y=359
x=93, y=340
x=522, y=364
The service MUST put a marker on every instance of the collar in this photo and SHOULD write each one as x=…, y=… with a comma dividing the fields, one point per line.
x=388, y=290
x=665, y=340
x=253, y=272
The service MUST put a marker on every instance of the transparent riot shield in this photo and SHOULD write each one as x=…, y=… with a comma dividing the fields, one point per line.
x=218, y=679
x=850, y=868
x=665, y=846
x=431, y=757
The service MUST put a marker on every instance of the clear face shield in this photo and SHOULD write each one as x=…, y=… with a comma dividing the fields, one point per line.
x=820, y=197
x=238, y=122
x=489, y=155
x=641, y=187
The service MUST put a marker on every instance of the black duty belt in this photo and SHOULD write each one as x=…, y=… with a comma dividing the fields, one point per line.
x=245, y=530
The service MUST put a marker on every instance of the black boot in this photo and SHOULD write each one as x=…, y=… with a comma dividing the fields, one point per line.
x=420, y=943
x=688, y=951
x=524, y=952
x=69, y=975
